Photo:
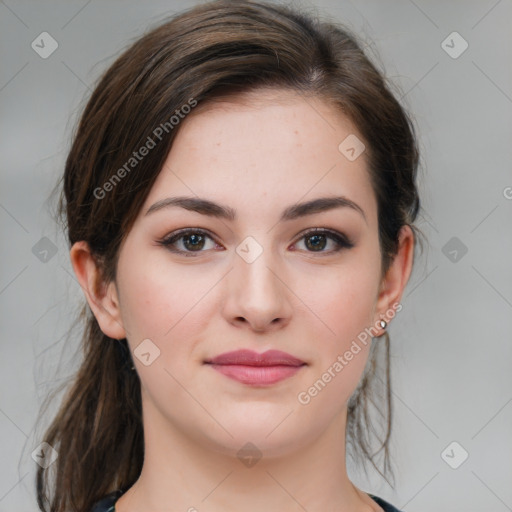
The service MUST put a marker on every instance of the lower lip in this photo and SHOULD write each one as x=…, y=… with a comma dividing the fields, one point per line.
x=256, y=375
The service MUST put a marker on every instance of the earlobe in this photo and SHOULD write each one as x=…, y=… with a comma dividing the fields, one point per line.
x=102, y=297
x=397, y=276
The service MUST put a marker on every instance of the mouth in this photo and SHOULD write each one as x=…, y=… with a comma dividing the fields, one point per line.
x=254, y=369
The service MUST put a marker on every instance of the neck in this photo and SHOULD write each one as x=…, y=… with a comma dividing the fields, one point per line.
x=181, y=473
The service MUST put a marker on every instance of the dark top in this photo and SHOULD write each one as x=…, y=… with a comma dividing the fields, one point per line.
x=106, y=504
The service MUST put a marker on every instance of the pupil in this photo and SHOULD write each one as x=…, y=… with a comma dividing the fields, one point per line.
x=319, y=239
x=195, y=239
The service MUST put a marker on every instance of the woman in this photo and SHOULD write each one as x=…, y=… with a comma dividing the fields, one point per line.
x=239, y=200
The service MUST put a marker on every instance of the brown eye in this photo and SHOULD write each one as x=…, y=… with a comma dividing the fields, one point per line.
x=194, y=241
x=317, y=240
x=187, y=241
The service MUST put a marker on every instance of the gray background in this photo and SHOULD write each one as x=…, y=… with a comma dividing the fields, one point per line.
x=451, y=343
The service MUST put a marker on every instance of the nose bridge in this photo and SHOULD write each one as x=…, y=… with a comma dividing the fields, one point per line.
x=253, y=263
x=257, y=289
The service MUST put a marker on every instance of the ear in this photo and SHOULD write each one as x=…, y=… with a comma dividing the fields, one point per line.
x=102, y=297
x=397, y=276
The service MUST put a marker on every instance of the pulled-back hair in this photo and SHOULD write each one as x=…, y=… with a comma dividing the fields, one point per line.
x=212, y=50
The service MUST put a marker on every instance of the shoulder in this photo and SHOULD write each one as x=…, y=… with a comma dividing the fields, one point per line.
x=387, y=507
x=106, y=504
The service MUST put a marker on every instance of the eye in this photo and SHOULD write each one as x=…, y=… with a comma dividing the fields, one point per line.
x=190, y=240
x=195, y=240
x=317, y=239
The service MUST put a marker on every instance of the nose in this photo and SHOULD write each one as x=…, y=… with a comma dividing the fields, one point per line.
x=257, y=293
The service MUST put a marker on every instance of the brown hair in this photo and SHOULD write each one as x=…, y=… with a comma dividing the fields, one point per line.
x=218, y=48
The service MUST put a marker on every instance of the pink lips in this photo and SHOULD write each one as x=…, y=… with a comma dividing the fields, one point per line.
x=255, y=369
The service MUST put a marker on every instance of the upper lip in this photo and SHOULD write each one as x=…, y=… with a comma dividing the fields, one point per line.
x=251, y=358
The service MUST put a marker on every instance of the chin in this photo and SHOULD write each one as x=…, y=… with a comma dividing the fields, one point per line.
x=271, y=435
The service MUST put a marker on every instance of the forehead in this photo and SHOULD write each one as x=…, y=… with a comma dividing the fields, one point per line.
x=275, y=144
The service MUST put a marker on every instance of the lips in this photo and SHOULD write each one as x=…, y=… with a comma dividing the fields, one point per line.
x=252, y=368
x=250, y=358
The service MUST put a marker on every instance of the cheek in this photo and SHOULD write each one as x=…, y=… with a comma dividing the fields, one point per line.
x=161, y=301
x=346, y=307
x=144, y=294
x=344, y=300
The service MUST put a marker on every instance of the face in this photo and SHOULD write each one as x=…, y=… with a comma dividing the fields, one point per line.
x=193, y=285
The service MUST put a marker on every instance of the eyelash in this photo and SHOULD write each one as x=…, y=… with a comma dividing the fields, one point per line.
x=341, y=240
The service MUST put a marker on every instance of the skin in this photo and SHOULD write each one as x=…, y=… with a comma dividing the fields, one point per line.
x=257, y=156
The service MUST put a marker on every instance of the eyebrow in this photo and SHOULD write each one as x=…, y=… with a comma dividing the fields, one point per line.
x=212, y=209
